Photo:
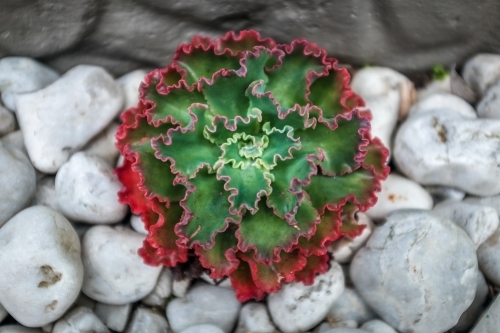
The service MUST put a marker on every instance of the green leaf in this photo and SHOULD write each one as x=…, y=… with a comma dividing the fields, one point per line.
x=282, y=145
x=339, y=146
x=217, y=259
x=209, y=209
x=189, y=150
x=247, y=185
x=288, y=82
x=325, y=92
x=325, y=190
x=327, y=230
x=263, y=276
x=199, y=63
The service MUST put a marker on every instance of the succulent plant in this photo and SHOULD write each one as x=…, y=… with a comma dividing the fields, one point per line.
x=251, y=155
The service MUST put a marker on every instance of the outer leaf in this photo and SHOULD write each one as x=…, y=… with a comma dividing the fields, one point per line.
x=315, y=265
x=242, y=283
x=244, y=41
x=263, y=276
x=326, y=232
x=220, y=259
x=376, y=158
x=289, y=263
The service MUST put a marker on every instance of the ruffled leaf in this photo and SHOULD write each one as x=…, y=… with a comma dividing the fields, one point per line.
x=243, y=284
x=315, y=265
x=220, y=259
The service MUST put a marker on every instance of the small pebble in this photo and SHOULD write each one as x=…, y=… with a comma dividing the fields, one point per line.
x=488, y=258
x=377, y=326
x=59, y=120
x=130, y=86
x=444, y=193
x=399, y=193
x=22, y=75
x=469, y=317
x=254, y=318
x=147, y=320
x=435, y=87
x=491, y=201
x=489, y=106
x=441, y=147
x=137, y=224
x=204, y=304
x=344, y=249
x=345, y=330
x=87, y=190
x=412, y=289
x=7, y=121
x=17, y=181
x=15, y=139
x=41, y=267
x=114, y=272
x=350, y=307
x=162, y=290
x=481, y=72
x=443, y=101
x=298, y=308
x=115, y=317
x=86, y=301
x=46, y=193
x=479, y=222
x=180, y=288
x=489, y=322
x=79, y=320
x=103, y=145
x=18, y=329
x=206, y=328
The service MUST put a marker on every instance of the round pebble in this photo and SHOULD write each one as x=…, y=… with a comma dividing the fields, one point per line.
x=7, y=121
x=18, y=329
x=80, y=320
x=130, y=83
x=115, y=317
x=344, y=249
x=489, y=260
x=46, y=193
x=298, y=308
x=204, y=329
x=254, y=318
x=162, y=290
x=418, y=272
x=350, y=307
x=87, y=190
x=147, y=320
x=17, y=181
x=468, y=318
x=443, y=101
x=204, y=304
x=114, y=272
x=41, y=267
x=103, y=145
x=399, y=193
x=489, y=106
x=377, y=326
x=482, y=71
x=60, y=119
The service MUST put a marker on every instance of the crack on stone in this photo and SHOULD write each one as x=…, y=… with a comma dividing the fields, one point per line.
x=50, y=277
x=440, y=129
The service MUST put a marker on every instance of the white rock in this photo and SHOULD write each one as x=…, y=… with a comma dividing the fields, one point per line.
x=479, y=222
x=115, y=317
x=46, y=193
x=17, y=181
x=350, y=307
x=137, y=224
x=444, y=193
x=162, y=290
x=377, y=326
x=412, y=289
x=114, y=272
x=469, y=317
x=146, y=320
x=22, y=75
x=490, y=320
x=47, y=328
x=297, y=308
x=482, y=71
x=489, y=260
x=388, y=95
x=399, y=193
x=345, y=248
x=41, y=267
x=130, y=83
x=442, y=148
x=489, y=106
x=180, y=288
x=79, y=320
x=206, y=328
x=86, y=301
x=254, y=318
x=204, y=304
x=87, y=190
x=492, y=201
x=435, y=87
x=3, y=313
x=7, y=121
x=443, y=101
x=18, y=329
x=60, y=119
x=103, y=145
x=15, y=139
x=327, y=326
x=345, y=330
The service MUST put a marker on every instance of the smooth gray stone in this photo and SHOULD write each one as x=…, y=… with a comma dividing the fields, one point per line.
x=490, y=320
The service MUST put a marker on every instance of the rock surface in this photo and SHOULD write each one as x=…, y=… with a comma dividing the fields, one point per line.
x=490, y=320
x=46, y=193
x=147, y=320
x=489, y=106
x=103, y=145
x=7, y=121
x=206, y=328
x=350, y=307
x=204, y=304
x=411, y=289
x=399, y=193
x=443, y=101
x=469, y=317
x=87, y=190
x=18, y=329
x=61, y=118
x=22, y=75
x=442, y=148
x=79, y=320
x=41, y=267
x=162, y=290
x=377, y=326
x=130, y=83
x=114, y=272
x=489, y=261
x=344, y=249
x=115, y=317
x=481, y=72
x=297, y=308
x=254, y=318
x=17, y=181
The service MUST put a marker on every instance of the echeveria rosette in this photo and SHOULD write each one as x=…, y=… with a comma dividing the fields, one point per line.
x=251, y=155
